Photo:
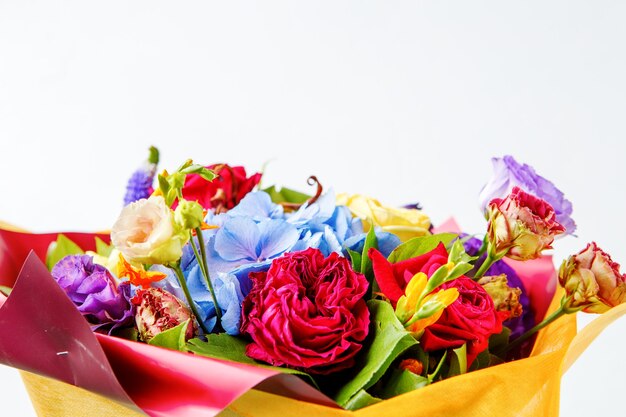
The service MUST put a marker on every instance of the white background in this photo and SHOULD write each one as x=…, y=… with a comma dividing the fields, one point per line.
x=405, y=101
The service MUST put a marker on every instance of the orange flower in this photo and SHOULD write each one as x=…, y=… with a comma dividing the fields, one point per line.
x=138, y=276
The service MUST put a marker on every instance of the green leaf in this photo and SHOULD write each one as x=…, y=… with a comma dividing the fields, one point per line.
x=231, y=348
x=102, y=248
x=497, y=342
x=285, y=195
x=360, y=400
x=5, y=290
x=59, y=249
x=458, y=255
x=458, y=361
x=482, y=361
x=173, y=338
x=389, y=340
x=366, y=263
x=355, y=258
x=433, y=376
x=164, y=185
x=419, y=246
x=402, y=381
x=204, y=172
x=221, y=346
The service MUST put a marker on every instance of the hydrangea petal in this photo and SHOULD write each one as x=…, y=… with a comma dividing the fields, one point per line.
x=238, y=239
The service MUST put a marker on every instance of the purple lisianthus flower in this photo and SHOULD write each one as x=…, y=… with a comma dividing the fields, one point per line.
x=94, y=291
x=140, y=183
x=518, y=325
x=509, y=173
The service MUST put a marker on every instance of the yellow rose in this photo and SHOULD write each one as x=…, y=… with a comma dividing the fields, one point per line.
x=402, y=222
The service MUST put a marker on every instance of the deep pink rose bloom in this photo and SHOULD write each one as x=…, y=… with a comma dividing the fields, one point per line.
x=306, y=312
x=471, y=319
x=225, y=191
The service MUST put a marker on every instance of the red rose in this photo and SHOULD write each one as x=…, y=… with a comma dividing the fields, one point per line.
x=471, y=319
x=306, y=312
x=225, y=191
x=393, y=278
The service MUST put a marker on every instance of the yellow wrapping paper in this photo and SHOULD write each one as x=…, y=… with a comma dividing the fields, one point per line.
x=523, y=388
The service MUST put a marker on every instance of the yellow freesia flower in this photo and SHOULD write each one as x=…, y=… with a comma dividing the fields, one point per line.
x=417, y=310
x=404, y=223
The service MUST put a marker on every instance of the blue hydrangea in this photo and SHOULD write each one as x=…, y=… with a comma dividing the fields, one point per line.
x=253, y=233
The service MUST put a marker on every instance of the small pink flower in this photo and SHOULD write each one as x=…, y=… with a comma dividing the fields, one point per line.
x=521, y=226
x=592, y=280
x=158, y=311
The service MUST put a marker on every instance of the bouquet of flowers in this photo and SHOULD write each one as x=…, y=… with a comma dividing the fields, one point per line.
x=213, y=294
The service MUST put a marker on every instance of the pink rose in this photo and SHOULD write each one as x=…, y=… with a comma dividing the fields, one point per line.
x=471, y=319
x=592, y=280
x=158, y=311
x=306, y=312
x=521, y=226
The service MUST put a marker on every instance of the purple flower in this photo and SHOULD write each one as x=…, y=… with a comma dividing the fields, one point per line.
x=94, y=291
x=508, y=173
x=140, y=183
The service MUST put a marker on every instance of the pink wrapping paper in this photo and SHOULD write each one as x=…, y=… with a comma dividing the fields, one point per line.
x=41, y=331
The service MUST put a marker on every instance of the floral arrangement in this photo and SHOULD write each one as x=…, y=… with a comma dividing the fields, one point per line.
x=357, y=301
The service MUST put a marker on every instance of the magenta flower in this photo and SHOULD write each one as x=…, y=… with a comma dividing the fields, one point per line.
x=307, y=312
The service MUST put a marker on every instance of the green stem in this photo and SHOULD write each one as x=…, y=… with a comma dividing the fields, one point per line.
x=205, y=272
x=192, y=305
x=483, y=247
x=489, y=260
x=518, y=342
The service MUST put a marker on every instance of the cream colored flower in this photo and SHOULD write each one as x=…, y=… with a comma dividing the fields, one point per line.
x=146, y=233
x=404, y=223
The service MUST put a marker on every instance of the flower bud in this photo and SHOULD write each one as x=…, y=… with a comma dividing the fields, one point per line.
x=521, y=226
x=158, y=311
x=412, y=365
x=188, y=214
x=592, y=281
x=506, y=299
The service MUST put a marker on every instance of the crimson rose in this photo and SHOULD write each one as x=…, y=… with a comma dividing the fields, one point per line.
x=225, y=191
x=471, y=319
x=306, y=312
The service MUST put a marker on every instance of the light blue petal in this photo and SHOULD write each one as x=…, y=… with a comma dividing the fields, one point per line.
x=333, y=243
x=257, y=205
x=277, y=236
x=387, y=242
x=238, y=239
x=308, y=240
x=230, y=298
